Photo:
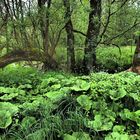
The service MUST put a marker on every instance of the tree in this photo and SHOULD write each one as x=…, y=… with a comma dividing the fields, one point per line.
x=101, y=23
x=25, y=31
x=136, y=59
x=35, y=27
x=70, y=36
x=92, y=35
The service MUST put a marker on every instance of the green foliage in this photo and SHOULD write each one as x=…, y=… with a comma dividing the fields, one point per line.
x=37, y=135
x=60, y=106
x=108, y=57
x=77, y=136
x=117, y=136
x=80, y=85
x=5, y=119
x=101, y=123
x=137, y=33
x=27, y=122
x=112, y=59
x=7, y=111
x=85, y=102
x=55, y=95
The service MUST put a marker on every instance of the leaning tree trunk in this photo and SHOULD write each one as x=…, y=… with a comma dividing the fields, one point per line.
x=23, y=55
x=70, y=37
x=92, y=35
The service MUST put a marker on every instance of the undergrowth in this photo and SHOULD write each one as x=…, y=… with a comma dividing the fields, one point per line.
x=109, y=59
x=58, y=106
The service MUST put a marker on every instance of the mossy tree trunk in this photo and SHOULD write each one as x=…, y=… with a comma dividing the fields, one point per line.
x=70, y=37
x=136, y=59
x=44, y=13
x=92, y=35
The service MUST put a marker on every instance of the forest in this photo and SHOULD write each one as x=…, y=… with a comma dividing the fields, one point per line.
x=69, y=69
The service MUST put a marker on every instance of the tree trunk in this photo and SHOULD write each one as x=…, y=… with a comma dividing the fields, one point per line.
x=44, y=25
x=20, y=55
x=70, y=37
x=25, y=55
x=92, y=35
x=136, y=59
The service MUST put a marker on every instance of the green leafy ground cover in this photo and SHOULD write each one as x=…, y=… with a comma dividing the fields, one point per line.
x=57, y=106
x=108, y=58
x=113, y=58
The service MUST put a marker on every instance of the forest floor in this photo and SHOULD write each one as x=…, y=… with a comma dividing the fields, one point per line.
x=58, y=106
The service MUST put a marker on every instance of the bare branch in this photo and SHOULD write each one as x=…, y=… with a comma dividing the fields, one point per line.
x=106, y=25
x=122, y=5
x=110, y=14
x=122, y=33
x=113, y=44
x=76, y=31
x=113, y=1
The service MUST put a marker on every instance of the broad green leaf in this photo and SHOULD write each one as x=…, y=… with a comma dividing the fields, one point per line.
x=37, y=135
x=134, y=96
x=100, y=123
x=55, y=87
x=55, y=95
x=5, y=119
x=97, y=123
x=116, y=95
x=7, y=97
x=69, y=137
x=6, y=106
x=107, y=125
x=81, y=85
x=30, y=107
x=134, y=116
x=7, y=110
x=81, y=136
x=8, y=90
x=137, y=113
x=85, y=102
x=27, y=122
x=117, y=136
x=65, y=90
x=77, y=136
x=25, y=86
x=119, y=128
x=48, y=82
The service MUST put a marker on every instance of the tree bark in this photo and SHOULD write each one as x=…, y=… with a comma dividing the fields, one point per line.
x=91, y=41
x=44, y=25
x=19, y=55
x=136, y=58
x=70, y=37
x=25, y=55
